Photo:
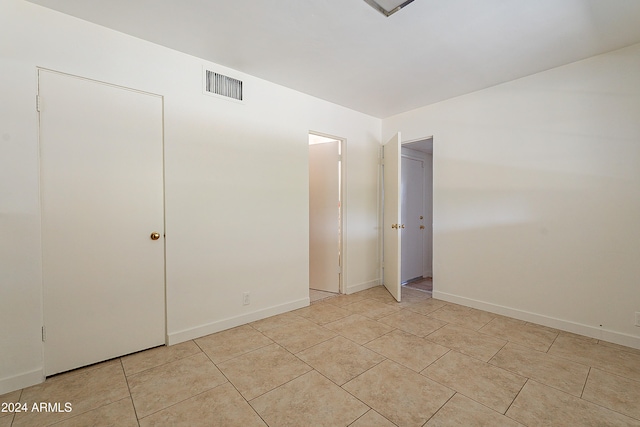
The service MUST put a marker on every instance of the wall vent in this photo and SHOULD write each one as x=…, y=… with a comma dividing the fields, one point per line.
x=219, y=84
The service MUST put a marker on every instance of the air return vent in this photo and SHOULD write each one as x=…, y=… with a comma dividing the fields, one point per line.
x=219, y=84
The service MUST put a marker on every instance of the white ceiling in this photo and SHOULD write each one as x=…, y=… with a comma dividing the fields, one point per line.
x=346, y=52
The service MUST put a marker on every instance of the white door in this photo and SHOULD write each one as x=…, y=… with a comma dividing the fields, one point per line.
x=412, y=197
x=102, y=198
x=324, y=216
x=391, y=216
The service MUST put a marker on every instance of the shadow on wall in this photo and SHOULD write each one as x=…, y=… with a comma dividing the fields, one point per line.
x=563, y=245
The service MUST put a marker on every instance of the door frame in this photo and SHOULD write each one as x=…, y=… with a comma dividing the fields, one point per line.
x=342, y=240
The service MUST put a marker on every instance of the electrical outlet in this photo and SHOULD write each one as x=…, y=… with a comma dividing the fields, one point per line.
x=245, y=298
x=637, y=318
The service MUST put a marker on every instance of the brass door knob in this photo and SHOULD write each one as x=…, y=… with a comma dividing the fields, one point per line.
x=402, y=226
x=422, y=227
x=394, y=226
x=155, y=235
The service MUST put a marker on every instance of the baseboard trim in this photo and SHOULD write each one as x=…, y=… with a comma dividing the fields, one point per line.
x=232, y=322
x=362, y=286
x=17, y=382
x=551, y=322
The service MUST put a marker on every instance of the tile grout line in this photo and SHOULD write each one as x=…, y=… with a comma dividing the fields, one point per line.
x=443, y=405
x=586, y=380
x=161, y=364
x=515, y=397
x=232, y=384
x=126, y=379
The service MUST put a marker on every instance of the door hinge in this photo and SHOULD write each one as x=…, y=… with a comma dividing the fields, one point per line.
x=38, y=103
x=339, y=269
x=44, y=334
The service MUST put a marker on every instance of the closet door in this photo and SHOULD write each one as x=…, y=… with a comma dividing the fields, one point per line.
x=102, y=199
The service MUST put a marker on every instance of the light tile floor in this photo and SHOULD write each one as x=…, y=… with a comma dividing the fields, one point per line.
x=316, y=295
x=358, y=360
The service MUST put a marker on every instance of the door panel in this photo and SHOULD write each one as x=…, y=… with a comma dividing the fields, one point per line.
x=102, y=197
x=412, y=199
x=392, y=216
x=324, y=216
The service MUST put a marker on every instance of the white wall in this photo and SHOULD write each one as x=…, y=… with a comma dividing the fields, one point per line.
x=236, y=183
x=537, y=196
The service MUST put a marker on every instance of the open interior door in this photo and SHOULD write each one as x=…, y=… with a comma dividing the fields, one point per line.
x=324, y=216
x=391, y=216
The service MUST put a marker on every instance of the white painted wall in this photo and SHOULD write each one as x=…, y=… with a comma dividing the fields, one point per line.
x=537, y=196
x=236, y=183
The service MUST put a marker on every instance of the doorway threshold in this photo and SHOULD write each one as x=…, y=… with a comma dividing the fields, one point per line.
x=420, y=284
x=316, y=295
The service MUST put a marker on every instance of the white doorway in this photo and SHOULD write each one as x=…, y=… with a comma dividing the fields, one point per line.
x=418, y=211
x=413, y=206
x=102, y=199
x=325, y=215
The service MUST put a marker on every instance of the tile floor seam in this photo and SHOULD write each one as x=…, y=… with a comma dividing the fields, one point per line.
x=601, y=366
x=283, y=348
x=276, y=387
x=554, y=341
x=605, y=368
x=516, y=396
x=440, y=408
x=496, y=353
x=569, y=359
x=256, y=412
x=362, y=373
x=586, y=380
x=438, y=382
x=357, y=398
x=603, y=406
x=126, y=379
x=177, y=403
x=485, y=406
x=13, y=416
x=425, y=368
x=470, y=397
x=356, y=420
x=97, y=407
x=283, y=384
x=540, y=381
x=465, y=354
x=320, y=342
x=446, y=324
x=156, y=366
x=237, y=391
x=615, y=374
x=611, y=409
x=76, y=372
x=238, y=355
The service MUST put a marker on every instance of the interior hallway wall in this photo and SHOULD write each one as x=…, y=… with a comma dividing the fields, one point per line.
x=536, y=196
x=236, y=183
